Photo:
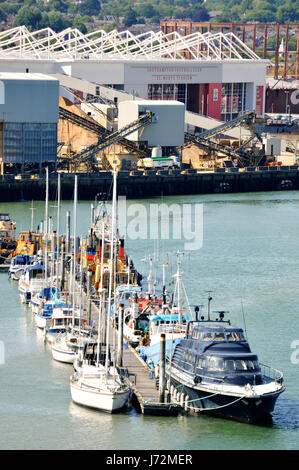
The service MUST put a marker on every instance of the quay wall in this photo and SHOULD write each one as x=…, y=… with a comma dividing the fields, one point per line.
x=151, y=183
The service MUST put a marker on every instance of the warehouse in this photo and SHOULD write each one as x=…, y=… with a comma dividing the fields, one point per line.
x=28, y=119
x=214, y=74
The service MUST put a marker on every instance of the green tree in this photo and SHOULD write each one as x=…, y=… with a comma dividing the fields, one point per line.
x=130, y=17
x=90, y=7
x=58, y=22
x=28, y=16
x=78, y=23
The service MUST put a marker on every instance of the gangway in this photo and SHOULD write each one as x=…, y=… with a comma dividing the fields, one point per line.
x=110, y=139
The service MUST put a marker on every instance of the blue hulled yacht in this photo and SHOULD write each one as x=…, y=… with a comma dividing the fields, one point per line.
x=214, y=371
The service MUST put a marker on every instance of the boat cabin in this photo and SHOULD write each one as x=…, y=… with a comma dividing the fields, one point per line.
x=216, y=353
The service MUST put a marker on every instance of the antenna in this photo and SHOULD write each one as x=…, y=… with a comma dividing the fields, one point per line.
x=245, y=329
x=209, y=302
x=32, y=210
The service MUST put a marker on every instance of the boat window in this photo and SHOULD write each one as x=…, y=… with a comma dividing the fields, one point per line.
x=215, y=363
x=207, y=336
x=235, y=336
x=219, y=337
x=240, y=365
x=230, y=364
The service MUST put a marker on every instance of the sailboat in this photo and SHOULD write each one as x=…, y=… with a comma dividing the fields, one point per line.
x=68, y=343
x=99, y=384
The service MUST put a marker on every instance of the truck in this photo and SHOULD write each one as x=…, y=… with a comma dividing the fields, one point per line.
x=159, y=162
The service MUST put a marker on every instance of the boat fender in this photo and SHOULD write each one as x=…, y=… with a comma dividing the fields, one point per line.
x=182, y=400
x=197, y=379
x=186, y=402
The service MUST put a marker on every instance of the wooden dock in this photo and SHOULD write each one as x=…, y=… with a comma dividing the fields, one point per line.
x=143, y=384
x=145, y=393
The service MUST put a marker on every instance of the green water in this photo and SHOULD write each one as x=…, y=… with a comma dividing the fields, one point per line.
x=249, y=256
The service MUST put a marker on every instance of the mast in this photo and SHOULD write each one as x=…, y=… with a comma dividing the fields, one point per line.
x=32, y=209
x=101, y=291
x=46, y=223
x=179, y=280
x=111, y=263
x=58, y=231
x=74, y=246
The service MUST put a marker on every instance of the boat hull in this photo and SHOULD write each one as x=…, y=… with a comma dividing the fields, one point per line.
x=110, y=402
x=61, y=355
x=244, y=409
x=41, y=322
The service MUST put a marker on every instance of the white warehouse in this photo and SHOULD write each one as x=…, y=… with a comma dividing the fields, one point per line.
x=213, y=74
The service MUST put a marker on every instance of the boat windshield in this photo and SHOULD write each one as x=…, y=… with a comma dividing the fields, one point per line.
x=222, y=336
x=220, y=364
x=37, y=274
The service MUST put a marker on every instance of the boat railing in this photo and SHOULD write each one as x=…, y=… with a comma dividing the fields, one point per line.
x=172, y=328
x=271, y=373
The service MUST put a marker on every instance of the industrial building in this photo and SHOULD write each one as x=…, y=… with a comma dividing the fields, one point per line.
x=213, y=74
x=28, y=119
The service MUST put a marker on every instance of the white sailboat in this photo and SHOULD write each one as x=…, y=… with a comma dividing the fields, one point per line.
x=67, y=344
x=99, y=384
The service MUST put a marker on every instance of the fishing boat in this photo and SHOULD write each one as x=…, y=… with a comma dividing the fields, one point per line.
x=168, y=324
x=213, y=370
x=18, y=264
x=7, y=238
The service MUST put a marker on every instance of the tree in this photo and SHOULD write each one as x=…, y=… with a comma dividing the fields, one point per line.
x=58, y=22
x=3, y=15
x=201, y=15
x=90, y=7
x=78, y=23
x=130, y=17
x=28, y=16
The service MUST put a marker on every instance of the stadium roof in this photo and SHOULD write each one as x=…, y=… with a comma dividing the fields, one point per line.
x=71, y=44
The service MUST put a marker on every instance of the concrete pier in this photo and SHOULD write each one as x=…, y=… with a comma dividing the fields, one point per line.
x=152, y=183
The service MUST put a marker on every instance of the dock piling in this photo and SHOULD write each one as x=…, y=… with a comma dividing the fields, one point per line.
x=162, y=369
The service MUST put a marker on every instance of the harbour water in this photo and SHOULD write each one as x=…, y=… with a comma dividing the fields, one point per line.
x=249, y=258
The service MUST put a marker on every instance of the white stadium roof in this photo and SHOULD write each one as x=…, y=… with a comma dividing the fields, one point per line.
x=71, y=44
